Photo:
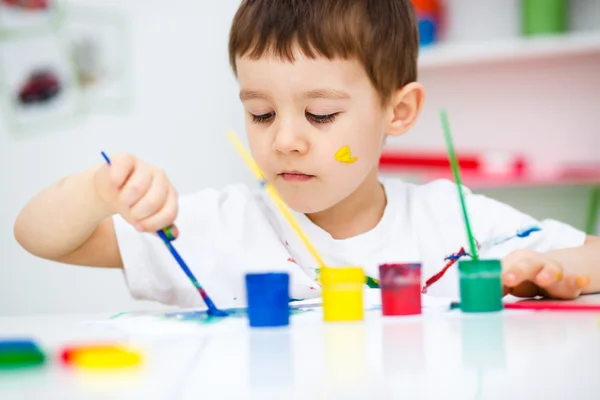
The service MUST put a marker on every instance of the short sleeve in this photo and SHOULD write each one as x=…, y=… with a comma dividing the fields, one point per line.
x=222, y=235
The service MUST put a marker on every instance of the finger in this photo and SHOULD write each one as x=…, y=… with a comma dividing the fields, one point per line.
x=582, y=281
x=122, y=166
x=136, y=186
x=568, y=288
x=550, y=274
x=525, y=289
x=164, y=217
x=564, y=289
x=153, y=200
x=521, y=270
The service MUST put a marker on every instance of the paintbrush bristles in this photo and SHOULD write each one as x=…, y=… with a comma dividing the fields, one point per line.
x=456, y=172
x=275, y=197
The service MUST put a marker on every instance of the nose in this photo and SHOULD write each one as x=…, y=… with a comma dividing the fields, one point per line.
x=290, y=140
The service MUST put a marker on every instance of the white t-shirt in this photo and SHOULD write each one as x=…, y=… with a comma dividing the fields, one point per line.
x=225, y=234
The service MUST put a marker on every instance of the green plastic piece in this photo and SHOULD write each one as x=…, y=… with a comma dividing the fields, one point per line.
x=19, y=356
x=544, y=16
x=480, y=285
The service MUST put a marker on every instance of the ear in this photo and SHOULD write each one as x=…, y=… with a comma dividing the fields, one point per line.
x=405, y=106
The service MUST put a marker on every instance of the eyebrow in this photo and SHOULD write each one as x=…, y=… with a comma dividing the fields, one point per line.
x=326, y=93
x=247, y=94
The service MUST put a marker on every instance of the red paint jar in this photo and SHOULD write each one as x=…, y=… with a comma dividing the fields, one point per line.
x=400, y=288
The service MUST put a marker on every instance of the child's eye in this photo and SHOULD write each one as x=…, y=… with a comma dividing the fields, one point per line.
x=321, y=119
x=263, y=118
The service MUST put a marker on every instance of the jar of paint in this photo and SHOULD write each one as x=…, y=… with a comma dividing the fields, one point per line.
x=544, y=16
x=400, y=289
x=342, y=293
x=480, y=285
x=268, y=299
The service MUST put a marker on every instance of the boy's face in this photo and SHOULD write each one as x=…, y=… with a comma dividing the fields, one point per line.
x=300, y=115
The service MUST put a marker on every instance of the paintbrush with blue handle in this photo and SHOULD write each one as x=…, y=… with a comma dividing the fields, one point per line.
x=166, y=236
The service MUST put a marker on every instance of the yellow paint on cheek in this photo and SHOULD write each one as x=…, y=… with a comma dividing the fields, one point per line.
x=344, y=155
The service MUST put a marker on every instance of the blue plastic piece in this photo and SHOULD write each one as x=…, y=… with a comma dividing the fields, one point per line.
x=427, y=30
x=17, y=344
x=268, y=299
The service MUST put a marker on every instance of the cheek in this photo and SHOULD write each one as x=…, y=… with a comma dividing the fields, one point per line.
x=258, y=148
x=358, y=142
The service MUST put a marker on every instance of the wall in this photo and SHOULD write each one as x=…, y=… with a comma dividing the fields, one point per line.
x=186, y=97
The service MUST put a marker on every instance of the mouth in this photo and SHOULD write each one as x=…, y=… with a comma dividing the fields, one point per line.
x=295, y=176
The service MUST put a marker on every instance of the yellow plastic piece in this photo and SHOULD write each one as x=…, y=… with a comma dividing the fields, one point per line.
x=343, y=294
x=107, y=357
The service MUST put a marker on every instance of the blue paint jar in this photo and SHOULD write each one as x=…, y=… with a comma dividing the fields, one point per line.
x=268, y=299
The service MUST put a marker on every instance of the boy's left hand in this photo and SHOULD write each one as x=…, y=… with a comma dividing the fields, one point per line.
x=527, y=273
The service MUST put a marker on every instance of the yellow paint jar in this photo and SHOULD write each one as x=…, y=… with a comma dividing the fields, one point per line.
x=342, y=293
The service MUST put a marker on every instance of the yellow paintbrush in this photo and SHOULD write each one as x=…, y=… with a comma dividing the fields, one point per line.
x=274, y=196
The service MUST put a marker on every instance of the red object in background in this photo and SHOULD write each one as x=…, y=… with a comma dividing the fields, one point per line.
x=431, y=16
x=27, y=4
x=432, y=7
x=393, y=160
x=41, y=86
x=430, y=166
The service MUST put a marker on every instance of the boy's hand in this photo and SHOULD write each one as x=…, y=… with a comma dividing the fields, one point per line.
x=528, y=274
x=140, y=192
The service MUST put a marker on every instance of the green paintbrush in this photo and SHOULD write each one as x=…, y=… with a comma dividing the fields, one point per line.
x=456, y=173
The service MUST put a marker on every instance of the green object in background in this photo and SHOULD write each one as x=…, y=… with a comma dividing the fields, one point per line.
x=540, y=17
x=480, y=285
x=591, y=221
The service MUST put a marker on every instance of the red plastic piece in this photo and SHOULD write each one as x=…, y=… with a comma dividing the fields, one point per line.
x=28, y=4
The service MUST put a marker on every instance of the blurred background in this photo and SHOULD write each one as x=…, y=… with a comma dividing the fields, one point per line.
x=520, y=80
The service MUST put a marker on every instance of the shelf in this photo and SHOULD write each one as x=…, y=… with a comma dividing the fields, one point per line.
x=509, y=50
x=478, y=180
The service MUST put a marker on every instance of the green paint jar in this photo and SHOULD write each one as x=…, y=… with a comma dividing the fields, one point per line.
x=480, y=285
x=544, y=16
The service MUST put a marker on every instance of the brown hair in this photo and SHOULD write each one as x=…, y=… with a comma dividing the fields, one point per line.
x=381, y=34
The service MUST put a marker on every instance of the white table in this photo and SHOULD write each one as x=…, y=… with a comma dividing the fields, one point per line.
x=439, y=355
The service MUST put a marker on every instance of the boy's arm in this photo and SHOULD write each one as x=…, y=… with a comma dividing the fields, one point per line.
x=69, y=222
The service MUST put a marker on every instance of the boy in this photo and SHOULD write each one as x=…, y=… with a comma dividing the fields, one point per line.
x=323, y=84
